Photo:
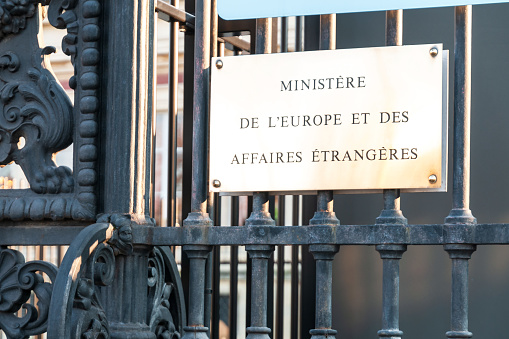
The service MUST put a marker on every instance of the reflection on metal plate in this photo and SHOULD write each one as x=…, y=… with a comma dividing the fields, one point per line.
x=357, y=119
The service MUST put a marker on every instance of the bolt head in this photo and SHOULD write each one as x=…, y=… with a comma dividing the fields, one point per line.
x=433, y=52
x=219, y=64
x=432, y=179
x=216, y=183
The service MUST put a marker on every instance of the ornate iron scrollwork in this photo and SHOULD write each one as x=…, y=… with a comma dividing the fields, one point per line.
x=89, y=319
x=91, y=262
x=34, y=109
x=165, y=308
x=18, y=280
x=33, y=105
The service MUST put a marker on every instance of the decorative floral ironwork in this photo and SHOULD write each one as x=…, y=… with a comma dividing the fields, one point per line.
x=17, y=281
x=122, y=238
x=13, y=15
x=39, y=111
x=89, y=319
x=36, y=118
x=163, y=319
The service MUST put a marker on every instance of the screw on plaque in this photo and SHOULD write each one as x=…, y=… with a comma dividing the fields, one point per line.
x=219, y=64
x=432, y=179
x=216, y=183
x=433, y=52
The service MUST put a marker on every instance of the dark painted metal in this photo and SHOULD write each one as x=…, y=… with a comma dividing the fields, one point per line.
x=128, y=122
x=259, y=254
x=311, y=42
x=216, y=275
x=430, y=234
x=294, y=299
x=173, y=79
x=390, y=254
x=270, y=261
x=460, y=212
x=213, y=208
x=176, y=14
x=323, y=254
x=324, y=214
x=299, y=36
x=328, y=31
x=197, y=259
x=391, y=215
x=19, y=318
x=308, y=271
x=198, y=216
x=394, y=28
x=234, y=273
x=280, y=287
x=459, y=254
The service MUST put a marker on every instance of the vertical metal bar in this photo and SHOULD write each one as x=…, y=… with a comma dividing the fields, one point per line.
x=263, y=36
x=211, y=290
x=284, y=35
x=187, y=146
x=324, y=254
x=234, y=272
x=197, y=260
x=270, y=261
x=460, y=212
x=390, y=254
x=393, y=37
x=294, y=302
x=248, y=270
x=459, y=254
x=391, y=214
x=173, y=75
x=260, y=217
x=280, y=292
x=394, y=28
x=198, y=215
x=259, y=255
x=309, y=204
x=299, y=36
x=328, y=31
x=216, y=274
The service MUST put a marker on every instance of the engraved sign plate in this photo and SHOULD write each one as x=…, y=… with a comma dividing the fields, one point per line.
x=358, y=119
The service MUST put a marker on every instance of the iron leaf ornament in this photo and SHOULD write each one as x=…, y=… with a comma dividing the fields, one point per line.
x=36, y=119
x=18, y=280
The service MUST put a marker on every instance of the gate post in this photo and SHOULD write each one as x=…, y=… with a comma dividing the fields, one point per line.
x=127, y=141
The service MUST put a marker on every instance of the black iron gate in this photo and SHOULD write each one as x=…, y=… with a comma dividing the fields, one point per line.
x=119, y=278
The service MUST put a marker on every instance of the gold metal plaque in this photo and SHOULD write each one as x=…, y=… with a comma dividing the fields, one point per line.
x=358, y=119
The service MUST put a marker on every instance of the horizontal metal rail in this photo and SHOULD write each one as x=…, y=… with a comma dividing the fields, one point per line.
x=174, y=13
x=482, y=234
x=236, y=42
x=429, y=234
